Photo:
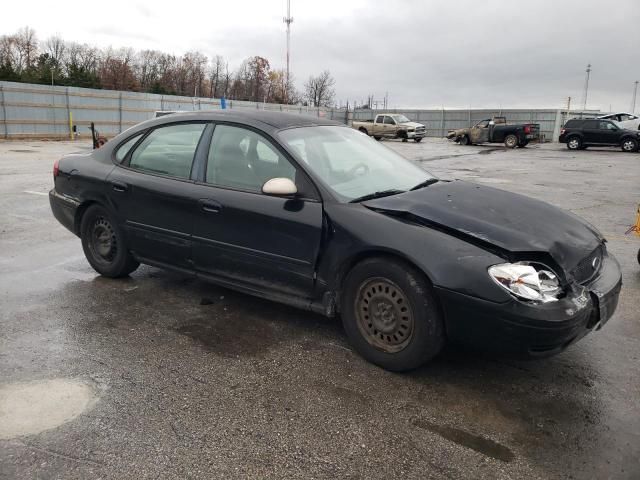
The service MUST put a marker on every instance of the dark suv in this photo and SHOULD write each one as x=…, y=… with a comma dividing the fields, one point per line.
x=580, y=134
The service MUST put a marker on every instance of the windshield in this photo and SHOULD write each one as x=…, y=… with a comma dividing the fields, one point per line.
x=401, y=118
x=351, y=164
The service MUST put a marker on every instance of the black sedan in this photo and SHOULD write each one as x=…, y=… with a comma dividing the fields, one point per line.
x=314, y=214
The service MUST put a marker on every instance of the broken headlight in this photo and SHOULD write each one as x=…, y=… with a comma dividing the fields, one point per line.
x=527, y=281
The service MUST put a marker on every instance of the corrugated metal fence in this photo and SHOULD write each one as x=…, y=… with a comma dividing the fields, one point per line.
x=45, y=111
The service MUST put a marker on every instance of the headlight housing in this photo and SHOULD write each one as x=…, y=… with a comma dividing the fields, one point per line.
x=528, y=281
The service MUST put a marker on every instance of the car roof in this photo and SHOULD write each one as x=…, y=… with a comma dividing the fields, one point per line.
x=258, y=118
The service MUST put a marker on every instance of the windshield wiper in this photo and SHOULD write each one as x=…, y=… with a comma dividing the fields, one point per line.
x=426, y=183
x=380, y=194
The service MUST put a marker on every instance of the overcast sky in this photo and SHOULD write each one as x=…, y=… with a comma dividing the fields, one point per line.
x=424, y=53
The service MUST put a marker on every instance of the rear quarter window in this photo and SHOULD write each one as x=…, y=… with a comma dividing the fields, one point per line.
x=123, y=149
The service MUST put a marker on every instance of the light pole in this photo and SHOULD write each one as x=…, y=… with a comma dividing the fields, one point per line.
x=586, y=87
x=633, y=101
x=288, y=20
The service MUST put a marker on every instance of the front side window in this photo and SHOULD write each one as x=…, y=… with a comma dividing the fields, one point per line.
x=483, y=124
x=350, y=164
x=389, y=121
x=243, y=159
x=168, y=150
x=607, y=126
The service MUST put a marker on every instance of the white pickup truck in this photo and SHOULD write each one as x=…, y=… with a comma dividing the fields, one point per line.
x=391, y=125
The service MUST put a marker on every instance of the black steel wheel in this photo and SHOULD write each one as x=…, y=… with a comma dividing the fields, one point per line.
x=390, y=314
x=104, y=244
x=464, y=140
x=384, y=315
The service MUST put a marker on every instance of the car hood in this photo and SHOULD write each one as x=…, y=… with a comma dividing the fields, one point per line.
x=496, y=219
x=412, y=124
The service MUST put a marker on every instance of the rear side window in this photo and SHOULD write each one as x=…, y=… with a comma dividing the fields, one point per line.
x=122, y=151
x=593, y=124
x=168, y=150
x=573, y=124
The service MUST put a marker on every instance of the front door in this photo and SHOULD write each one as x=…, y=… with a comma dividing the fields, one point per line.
x=479, y=133
x=154, y=196
x=608, y=133
x=246, y=236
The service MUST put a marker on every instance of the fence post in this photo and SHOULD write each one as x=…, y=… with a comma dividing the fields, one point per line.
x=442, y=124
x=66, y=94
x=469, y=118
x=161, y=102
x=4, y=113
x=556, y=126
x=120, y=112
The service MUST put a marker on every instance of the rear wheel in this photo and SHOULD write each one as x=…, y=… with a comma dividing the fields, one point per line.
x=464, y=140
x=363, y=130
x=377, y=137
x=390, y=314
x=629, y=145
x=574, y=143
x=104, y=244
x=511, y=141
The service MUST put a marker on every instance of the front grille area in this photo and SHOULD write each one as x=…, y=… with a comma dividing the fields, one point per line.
x=421, y=130
x=585, y=270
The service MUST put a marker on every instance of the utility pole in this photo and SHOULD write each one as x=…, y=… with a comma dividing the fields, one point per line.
x=633, y=101
x=288, y=20
x=586, y=87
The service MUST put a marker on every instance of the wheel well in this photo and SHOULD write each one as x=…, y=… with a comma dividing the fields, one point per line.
x=80, y=213
x=366, y=255
x=363, y=130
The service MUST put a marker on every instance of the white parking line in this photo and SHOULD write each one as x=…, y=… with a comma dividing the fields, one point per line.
x=35, y=193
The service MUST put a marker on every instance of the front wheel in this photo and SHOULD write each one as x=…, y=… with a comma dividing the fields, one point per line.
x=629, y=145
x=511, y=141
x=417, y=140
x=104, y=244
x=390, y=315
x=464, y=140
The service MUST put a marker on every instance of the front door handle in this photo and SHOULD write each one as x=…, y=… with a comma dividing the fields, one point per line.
x=119, y=186
x=210, y=206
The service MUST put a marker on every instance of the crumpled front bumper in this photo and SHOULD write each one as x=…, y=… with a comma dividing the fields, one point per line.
x=529, y=329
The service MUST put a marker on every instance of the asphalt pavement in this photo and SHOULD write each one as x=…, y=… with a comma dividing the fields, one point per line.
x=162, y=376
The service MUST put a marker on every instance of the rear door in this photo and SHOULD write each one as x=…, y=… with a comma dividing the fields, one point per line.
x=246, y=236
x=153, y=193
x=591, y=131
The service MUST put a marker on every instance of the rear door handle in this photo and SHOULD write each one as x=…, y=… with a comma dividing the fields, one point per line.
x=119, y=186
x=210, y=206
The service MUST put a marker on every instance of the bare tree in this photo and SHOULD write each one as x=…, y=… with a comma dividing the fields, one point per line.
x=319, y=90
x=55, y=47
x=27, y=47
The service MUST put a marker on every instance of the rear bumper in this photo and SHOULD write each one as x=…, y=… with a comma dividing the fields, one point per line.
x=64, y=209
x=533, y=330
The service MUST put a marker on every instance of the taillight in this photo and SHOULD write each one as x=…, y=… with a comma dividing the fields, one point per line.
x=562, y=130
x=527, y=129
x=56, y=168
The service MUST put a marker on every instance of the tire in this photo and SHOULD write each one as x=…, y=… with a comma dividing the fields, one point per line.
x=405, y=329
x=417, y=140
x=403, y=136
x=464, y=140
x=511, y=141
x=639, y=256
x=104, y=244
x=363, y=130
x=377, y=137
x=574, y=143
x=629, y=145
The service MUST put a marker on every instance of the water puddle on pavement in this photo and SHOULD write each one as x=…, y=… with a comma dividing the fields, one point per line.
x=474, y=442
x=33, y=407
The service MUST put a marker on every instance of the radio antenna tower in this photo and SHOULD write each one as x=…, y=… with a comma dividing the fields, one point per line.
x=586, y=88
x=288, y=20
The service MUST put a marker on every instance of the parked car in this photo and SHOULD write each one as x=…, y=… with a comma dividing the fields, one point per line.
x=391, y=125
x=497, y=130
x=580, y=134
x=313, y=214
x=623, y=120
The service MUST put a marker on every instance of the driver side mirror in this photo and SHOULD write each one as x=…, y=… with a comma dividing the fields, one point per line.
x=279, y=187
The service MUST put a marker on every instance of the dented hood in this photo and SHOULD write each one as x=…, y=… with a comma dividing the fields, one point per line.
x=497, y=219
